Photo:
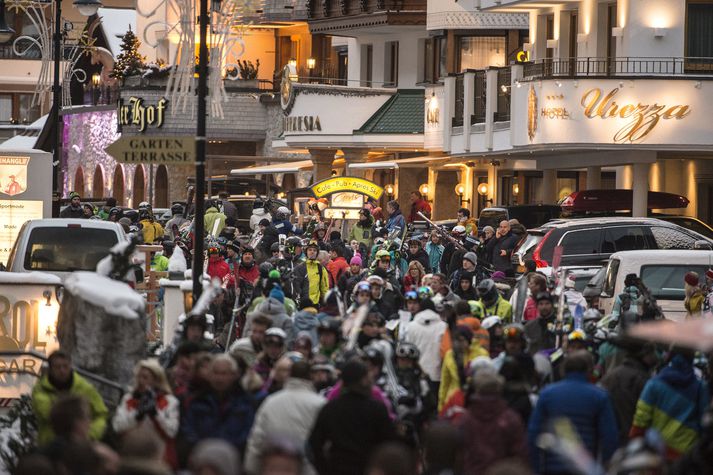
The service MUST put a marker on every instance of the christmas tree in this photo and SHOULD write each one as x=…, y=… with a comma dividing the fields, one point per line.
x=129, y=62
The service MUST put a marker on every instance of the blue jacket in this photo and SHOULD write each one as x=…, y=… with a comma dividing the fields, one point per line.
x=587, y=407
x=434, y=251
x=285, y=227
x=396, y=220
x=229, y=419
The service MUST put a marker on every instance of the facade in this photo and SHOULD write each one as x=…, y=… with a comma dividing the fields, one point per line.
x=613, y=94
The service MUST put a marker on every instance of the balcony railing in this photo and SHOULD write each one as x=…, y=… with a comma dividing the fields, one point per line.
x=605, y=67
x=478, y=116
x=458, y=115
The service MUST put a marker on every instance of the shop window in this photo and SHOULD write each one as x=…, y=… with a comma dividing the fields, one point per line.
x=699, y=29
x=480, y=52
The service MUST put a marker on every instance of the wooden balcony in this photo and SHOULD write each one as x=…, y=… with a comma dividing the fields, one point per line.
x=333, y=15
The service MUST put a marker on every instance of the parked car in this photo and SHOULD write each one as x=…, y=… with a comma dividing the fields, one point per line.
x=530, y=216
x=689, y=222
x=590, y=241
x=60, y=246
x=661, y=272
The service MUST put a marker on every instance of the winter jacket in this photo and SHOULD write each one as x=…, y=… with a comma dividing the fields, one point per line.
x=214, y=221
x=285, y=227
x=258, y=215
x=435, y=252
x=306, y=321
x=217, y=268
x=163, y=424
x=450, y=381
x=587, y=407
x=694, y=303
x=363, y=234
x=151, y=231
x=229, y=210
x=337, y=268
x=493, y=432
x=209, y=415
x=312, y=281
x=173, y=226
x=501, y=308
x=478, y=332
x=389, y=303
x=625, y=383
x=249, y=275
x=425, y=331
x=396, y=221
x=504, y=243
x=275, y=311
x=422, y=206
x=538, y=337
x=673, y=404
x=290, y=412
x=72, y=212
x=421, y=256
x=245, y=348
x=341, y=442
x=44, y=395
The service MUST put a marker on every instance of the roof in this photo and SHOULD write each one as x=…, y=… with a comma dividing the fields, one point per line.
x=291, y=167
x=671, y=256
x=115, y=23
x=606, y=220
x=402, y=113
x=19, y=142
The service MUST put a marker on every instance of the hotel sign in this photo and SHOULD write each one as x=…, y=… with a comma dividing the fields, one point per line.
x=303, y=123
x=347, y=184
x=137, y=114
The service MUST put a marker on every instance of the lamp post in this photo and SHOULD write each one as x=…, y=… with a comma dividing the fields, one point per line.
x=199, y=225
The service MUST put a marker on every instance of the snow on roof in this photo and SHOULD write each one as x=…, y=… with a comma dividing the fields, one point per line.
x=38, y=278
x=39, y=124
x=116, y=298
x=116, y=22
x=19, y=142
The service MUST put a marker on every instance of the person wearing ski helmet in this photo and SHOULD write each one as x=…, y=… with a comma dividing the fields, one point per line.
x=177, y=220
x=114, y=214
x=493, y=302
x=282, y=223
x=311, y=279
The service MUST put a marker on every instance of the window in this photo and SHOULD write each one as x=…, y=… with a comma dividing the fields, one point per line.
x=670, y=238
x=550, y=33
x=369, y=64
x=666, y=281
x=68, y=249
x=624, y=238
x=610, y=278
x=434, y=60
x=391, y=69
x=480, y=52
x=585, y=241
x=699, y=29
x=18, y=109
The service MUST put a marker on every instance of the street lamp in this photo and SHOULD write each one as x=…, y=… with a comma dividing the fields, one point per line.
x=5, y=31
x=87, y=7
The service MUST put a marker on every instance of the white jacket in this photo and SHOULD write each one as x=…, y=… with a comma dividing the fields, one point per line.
x=258, y=215
x=425, y=331
x=166, y=418
x=288, y=413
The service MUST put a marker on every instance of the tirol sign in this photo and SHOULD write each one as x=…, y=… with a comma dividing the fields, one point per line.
x=137, y=113
x=347, y=184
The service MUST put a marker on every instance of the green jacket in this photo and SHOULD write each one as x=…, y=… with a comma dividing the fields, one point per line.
x=159, y=263
x=362, y=235
x=211, y=216
x=501, y=308
x=44, y=395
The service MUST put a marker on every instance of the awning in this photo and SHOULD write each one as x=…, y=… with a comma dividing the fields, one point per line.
x=292, y=167
x=396, y=164
x=19, y=142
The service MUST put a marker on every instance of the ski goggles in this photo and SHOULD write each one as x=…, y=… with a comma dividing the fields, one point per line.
x=411, y=295
x=406, y=351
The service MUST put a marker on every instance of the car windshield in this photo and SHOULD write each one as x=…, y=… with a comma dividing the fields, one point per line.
x=68, y=249
x=666, y=281
x=527, y=247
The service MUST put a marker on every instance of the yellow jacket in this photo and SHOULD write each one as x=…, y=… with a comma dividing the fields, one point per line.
x=151, y=231
x=312, y=282
x=449, y=371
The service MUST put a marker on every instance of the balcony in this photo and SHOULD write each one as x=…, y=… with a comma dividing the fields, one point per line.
x=619, y=67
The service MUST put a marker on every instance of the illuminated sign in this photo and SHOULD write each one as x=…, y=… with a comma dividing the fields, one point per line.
x=13, y=214
x=347, y=183
x=135, y=113
x=643, y=118
x=531, y=113
x=347, y=200
x=13, y=175
x=153, y=149
x=522, y=57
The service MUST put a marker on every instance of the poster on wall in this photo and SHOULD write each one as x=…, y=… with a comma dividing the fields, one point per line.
x=13, y=214
x=13, y=175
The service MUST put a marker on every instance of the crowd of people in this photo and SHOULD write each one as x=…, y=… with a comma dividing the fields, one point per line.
x=386, y=352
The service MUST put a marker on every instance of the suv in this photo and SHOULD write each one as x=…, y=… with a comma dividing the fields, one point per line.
x=590, y=241
x=530, y=216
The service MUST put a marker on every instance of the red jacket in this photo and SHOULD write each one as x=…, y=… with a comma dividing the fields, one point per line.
x=493, y=432
x=419, y=205
x=249, y=274
x=217, y=268
x=336, y=268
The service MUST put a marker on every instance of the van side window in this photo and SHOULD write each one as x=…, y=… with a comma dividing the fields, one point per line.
x=624, y=238
x=585, y=241
x=610, y=278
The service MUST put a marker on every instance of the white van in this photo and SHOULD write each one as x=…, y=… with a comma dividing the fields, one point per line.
x=61, y=246
x=662, y=272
